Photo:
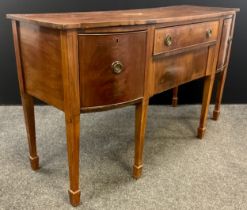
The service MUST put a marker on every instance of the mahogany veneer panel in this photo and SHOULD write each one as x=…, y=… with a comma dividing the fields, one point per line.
x=41, y=63
x=185, y=36
x=99, y=85
x=179, y=69
x=226, y=33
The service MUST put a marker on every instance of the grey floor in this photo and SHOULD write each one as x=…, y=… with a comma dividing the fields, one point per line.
x=180, y=171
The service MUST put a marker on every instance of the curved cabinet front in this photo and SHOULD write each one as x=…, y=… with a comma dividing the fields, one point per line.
x=112, y=68
x=180, y=68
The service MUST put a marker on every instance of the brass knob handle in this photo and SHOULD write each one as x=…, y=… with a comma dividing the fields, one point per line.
x=117, y=67
x=209, y=33
x=168, y=41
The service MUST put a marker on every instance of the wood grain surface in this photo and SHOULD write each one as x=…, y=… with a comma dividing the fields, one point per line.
x=184, y=36
x=42, y=63
x=99, y=84
x=122, y=17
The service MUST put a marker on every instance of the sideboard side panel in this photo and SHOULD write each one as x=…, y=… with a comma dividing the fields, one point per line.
x=41, y=62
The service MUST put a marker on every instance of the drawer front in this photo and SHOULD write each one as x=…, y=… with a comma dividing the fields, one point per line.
x=175, y=38
x=224, y=45
x=178, y=69
x=112, y=68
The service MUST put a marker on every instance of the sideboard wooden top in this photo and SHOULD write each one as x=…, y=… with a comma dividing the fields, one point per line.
x=122, y=17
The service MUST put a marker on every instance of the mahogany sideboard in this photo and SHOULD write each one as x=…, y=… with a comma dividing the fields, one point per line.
x=93, y=61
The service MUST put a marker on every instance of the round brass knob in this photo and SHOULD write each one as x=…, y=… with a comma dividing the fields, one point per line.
x=209, y=33
x=168, y=40
x=117, y=67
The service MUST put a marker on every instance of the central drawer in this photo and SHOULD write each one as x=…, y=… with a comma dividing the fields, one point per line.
x=178, y=69
x=179, y=37
x=112, y=68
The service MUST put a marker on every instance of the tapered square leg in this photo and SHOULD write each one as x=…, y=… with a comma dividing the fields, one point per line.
x=70, y=72
x=28, y=109
x=175, y=97
x=220, y=89
x=73, y=144
x=27, y=103
x=207, y=92
x=141, y=118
